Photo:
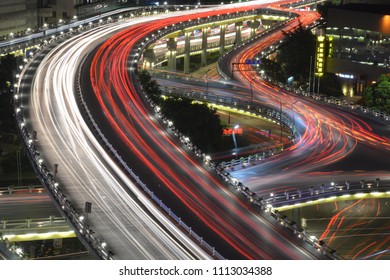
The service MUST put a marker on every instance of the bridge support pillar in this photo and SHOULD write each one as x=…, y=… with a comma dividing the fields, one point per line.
x=172, y=48
x=204, y=47
x=253, y=25
x=222, y=31
x=187, y=49
x=149, y=58
x=238, y=32
x=297, y=217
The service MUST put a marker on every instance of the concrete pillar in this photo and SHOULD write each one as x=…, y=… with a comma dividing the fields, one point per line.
x=187, y=49
x=222, y=30
x=297, y=217
x=172, y=48
x=238, y=32
x=253, y=25
x=149, y=58
x=204, y=47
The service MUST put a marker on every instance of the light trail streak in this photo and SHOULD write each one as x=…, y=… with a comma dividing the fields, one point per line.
x=328, y=135
x=87, y=172
x=179, y=173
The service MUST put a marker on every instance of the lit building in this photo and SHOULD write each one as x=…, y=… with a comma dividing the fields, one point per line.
x=17, y=16
x=21, y=16
x=361, y=44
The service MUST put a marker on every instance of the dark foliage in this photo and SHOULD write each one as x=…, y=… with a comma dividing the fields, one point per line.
x=272, y=69
x=196, y=121
x=377, y=96
x=330, y=85
x=295, y=53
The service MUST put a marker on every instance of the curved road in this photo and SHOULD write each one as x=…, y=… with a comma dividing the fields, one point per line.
x=121, y=215
x=238, y=230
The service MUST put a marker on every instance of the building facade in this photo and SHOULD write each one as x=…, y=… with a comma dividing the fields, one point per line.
x=361, y=44
x=17, y=16
x=21, y=16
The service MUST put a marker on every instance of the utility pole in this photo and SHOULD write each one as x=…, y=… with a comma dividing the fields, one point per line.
x=280, y=121
x=311, y=61
x=293, y=115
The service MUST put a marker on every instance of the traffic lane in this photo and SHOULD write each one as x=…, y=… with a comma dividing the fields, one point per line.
x=275, y=175
x=140, y=132
x=70, y=148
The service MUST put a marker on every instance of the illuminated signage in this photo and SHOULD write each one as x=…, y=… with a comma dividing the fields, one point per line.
x=330, y=46
x=229, y=131
x=252, y=61
x=320, y=59
x=324, y=49
x=345, y=76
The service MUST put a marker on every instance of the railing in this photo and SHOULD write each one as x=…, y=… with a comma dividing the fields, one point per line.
x=97, y=247
x=142, y=185
x=233, y=182
x=326, y=191
x=81, y=228
x=40, y=225
x=263, y=111
x=21, y=189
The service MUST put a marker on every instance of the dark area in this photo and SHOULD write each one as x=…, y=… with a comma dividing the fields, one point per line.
x=64, y=248
x=330, y=85
x=14, y=165
x=295, y=54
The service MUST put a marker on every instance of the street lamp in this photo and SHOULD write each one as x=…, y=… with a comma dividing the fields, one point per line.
x=280, y=121
x=250, y=83
x=293, y=115
x=234, y=138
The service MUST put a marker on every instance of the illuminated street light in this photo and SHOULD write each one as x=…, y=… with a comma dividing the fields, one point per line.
x=234, y=139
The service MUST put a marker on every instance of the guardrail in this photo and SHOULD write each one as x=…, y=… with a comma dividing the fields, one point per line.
x=21, y=189
x=263, y=111
x=23, y=226
x=252, y=197
x=325, y=191
x=97, y=247
x=140, y=184
x=77, y=220
x=45, y=32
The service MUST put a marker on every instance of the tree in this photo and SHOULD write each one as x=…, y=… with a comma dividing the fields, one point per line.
x=150, y=86
x=197, y=121
x=295, y=53
x=7, y=68
x=377, y=96
x=330, y=85
x=272, y=69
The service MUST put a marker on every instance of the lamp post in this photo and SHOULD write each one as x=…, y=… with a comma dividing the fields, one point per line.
x=234, y=138
x=293, y=115
x=250, y=83
x=280, y=121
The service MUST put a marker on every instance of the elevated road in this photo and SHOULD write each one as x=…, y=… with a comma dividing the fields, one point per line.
x=335, y=145
x=127, y=121
x=133, y=229
x=87, y=173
